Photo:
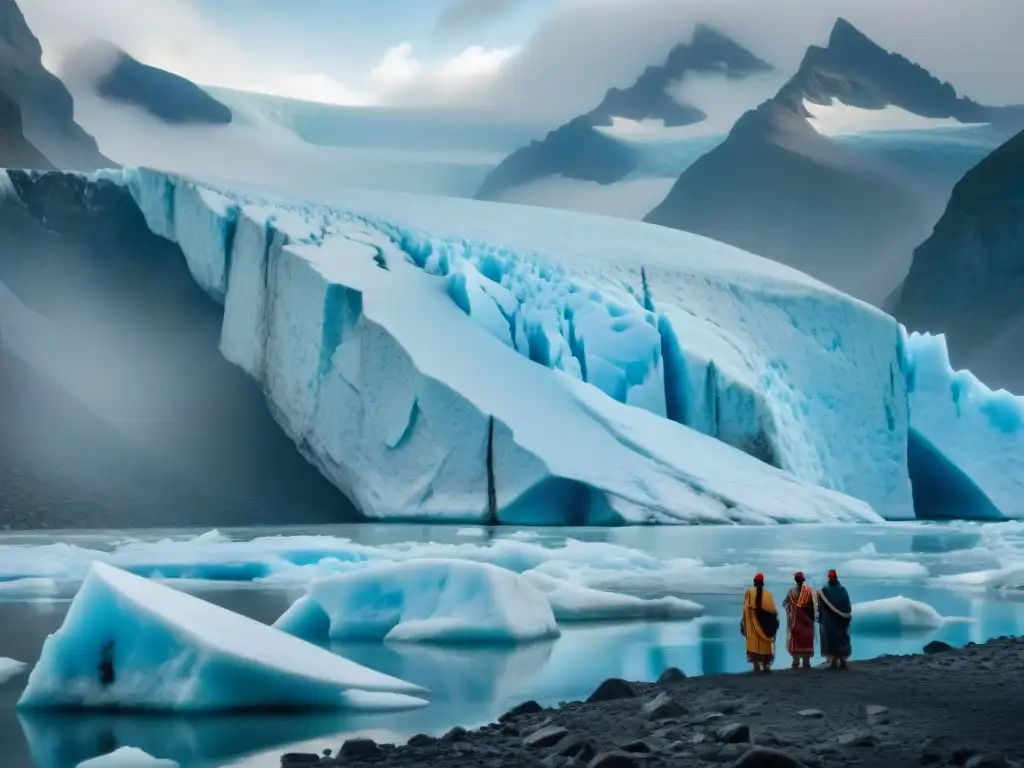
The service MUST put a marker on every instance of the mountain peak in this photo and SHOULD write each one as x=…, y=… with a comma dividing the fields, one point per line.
x=845, y=35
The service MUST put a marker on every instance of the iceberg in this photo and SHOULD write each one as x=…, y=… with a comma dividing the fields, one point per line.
x=576, y=602
x=895, y=614
x=440, y=601
x=131, y=643
x=962, y=430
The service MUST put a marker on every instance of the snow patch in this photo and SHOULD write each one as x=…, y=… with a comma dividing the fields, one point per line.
x=839, y=119
x=439, y=601
x=129, y=642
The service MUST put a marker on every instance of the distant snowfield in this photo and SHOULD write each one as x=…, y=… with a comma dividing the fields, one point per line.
x=626, y=199
x=840, y=119
x=262, y=153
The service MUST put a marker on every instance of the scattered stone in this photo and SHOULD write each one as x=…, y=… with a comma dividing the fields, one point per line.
x=762, y=757
x=811, y=713
x=574, y=746
x=359, y=748
x=615, y=760
x=299, y=760
x=937, y=646
x=986, y=761
x=612, y=689
x=526, y=708
x=671, y=676
x=858, y=739
x=421, y=740
x=930, y=756
x=639, y=747
x=877, y=715
x=662, y=707
x=963, y=754
x=546, y=737
x=733, y=733
x=455, y=735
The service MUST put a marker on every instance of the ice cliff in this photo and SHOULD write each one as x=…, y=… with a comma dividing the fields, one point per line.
x=445, y=359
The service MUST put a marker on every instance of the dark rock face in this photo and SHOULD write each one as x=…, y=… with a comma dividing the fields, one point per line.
x=966, y=279
x=118, y=409
x=577, y=151
x=779, y=189
x=46, y=108
x=15, y=150
x=164, y=95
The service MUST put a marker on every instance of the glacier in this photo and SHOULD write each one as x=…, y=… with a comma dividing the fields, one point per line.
x=438, y=601
x=131, y=643
x=960, y=422
x=442, y=359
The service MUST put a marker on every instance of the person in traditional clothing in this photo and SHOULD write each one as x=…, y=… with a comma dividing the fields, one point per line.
x=834, y=615
x=799, y=605
x=759, y=625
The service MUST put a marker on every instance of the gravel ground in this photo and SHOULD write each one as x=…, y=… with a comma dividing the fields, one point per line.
x=950, y=707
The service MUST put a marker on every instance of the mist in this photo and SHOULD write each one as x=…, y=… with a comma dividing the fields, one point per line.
x=587, y=46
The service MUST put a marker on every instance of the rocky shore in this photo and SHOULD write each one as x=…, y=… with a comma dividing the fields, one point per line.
x=945, y=707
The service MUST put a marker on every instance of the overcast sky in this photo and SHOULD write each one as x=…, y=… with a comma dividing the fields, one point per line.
x=550, y=58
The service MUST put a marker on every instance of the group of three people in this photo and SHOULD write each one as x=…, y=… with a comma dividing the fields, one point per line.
x=829, y=606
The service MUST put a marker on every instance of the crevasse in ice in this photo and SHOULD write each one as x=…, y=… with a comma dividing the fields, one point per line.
x=584, y=334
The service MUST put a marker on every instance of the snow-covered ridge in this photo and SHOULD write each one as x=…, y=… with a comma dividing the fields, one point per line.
x=447, y=359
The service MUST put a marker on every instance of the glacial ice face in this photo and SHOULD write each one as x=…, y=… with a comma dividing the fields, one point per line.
x=131, y=643
x=127, y=757
x=977, y=434
x=438, y=601
x=409, y=423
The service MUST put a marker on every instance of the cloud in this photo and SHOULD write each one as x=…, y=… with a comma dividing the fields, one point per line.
x=585, y=46
x=463, y=15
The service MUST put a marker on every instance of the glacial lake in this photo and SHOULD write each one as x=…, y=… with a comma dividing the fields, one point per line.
x=972, y=574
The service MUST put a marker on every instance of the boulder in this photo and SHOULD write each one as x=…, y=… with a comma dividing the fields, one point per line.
x=359, y=748
x=762, y=757
x=613, y=689
x=662, y=707
x=526, y=708
x=937, y=646
x=671, y=676
x=546, y=737
x=733, y=733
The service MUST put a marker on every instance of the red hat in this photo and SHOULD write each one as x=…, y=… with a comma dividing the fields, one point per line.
x=758, y=577
x=832, y=576
x=798, y=576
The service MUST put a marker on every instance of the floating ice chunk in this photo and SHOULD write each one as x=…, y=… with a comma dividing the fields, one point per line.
x=893, y=614
x=127, y=757
x=883, y=569
x=1007, y=579
x=9, y=669
x=129, y=642
x=426, y=601
x=572, y=602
